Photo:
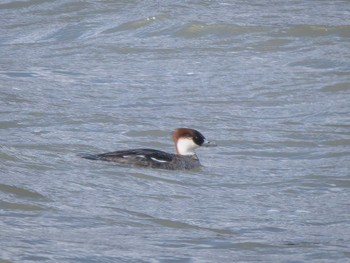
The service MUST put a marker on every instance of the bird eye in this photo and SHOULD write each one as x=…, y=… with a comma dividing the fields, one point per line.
x=198, y=140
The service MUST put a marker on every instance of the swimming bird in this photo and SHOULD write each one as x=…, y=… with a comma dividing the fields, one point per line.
x=186, y=142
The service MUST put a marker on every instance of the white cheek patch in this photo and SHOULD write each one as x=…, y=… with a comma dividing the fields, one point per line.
x=186, y=146
x=157, y=160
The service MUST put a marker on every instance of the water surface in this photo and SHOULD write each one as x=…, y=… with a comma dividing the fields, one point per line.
x=270, y=83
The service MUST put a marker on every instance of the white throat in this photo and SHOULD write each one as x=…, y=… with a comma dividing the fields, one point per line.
x=186, y=146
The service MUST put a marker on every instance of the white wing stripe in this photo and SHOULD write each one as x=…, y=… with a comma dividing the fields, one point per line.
x=129, y=156
x=157, y=160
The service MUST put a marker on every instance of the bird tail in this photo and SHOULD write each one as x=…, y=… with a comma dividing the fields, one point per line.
x=89, y=156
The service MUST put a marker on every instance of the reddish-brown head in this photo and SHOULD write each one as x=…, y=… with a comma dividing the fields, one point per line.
x=187, y=140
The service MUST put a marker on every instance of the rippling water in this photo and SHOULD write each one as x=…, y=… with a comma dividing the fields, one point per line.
x=268, y=81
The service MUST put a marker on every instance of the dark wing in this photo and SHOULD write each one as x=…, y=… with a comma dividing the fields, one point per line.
x=143, y=157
